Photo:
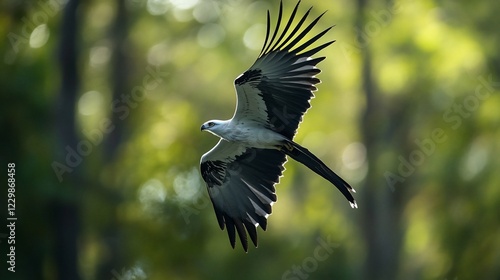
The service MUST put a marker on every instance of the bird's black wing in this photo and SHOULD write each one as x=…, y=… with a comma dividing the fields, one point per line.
x=277, y=89
x=240, y=182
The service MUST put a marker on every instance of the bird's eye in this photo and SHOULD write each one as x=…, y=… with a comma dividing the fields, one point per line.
x=210, y=124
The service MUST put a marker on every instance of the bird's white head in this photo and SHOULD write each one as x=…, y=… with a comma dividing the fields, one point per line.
x=215, y=127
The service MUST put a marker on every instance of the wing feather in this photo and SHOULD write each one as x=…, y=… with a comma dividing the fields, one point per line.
x=268, y=29
x=288, y=24
x=280, y=14
x=294, y=31
x=240, y=182
x=277, y=89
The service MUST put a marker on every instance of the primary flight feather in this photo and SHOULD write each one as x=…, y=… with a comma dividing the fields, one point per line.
x=241, y=171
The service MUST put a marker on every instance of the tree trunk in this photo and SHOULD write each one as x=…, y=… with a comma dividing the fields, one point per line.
x=381, y=208
x=66, y=212
x=112, y=236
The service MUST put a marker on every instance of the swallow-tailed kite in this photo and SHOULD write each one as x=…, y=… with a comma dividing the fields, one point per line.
x=272, y=96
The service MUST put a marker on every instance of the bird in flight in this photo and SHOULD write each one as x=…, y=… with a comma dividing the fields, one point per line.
x=241, y=171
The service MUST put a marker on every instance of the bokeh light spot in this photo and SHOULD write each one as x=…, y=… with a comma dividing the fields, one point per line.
x=210, y=35
x=39, y=36
x=90, y=103
x=253, y=36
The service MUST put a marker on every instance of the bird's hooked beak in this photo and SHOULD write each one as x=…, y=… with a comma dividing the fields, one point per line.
x=203, y=127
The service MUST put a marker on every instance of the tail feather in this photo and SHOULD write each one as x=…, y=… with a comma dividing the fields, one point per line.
x=307, y=158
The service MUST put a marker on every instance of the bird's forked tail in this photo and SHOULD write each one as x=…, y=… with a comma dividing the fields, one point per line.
x=307, y=158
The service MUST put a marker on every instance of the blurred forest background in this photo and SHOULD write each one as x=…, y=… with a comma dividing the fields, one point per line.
x=102, y=102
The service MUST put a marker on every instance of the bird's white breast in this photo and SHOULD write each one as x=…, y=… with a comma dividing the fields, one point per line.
x=253, y=135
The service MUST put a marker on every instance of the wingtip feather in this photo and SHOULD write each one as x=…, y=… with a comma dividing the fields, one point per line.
x=354, y=205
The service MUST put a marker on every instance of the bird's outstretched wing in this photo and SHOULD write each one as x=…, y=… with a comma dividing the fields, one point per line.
x=240, y=183
x=277, y=89
x=275, y=93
